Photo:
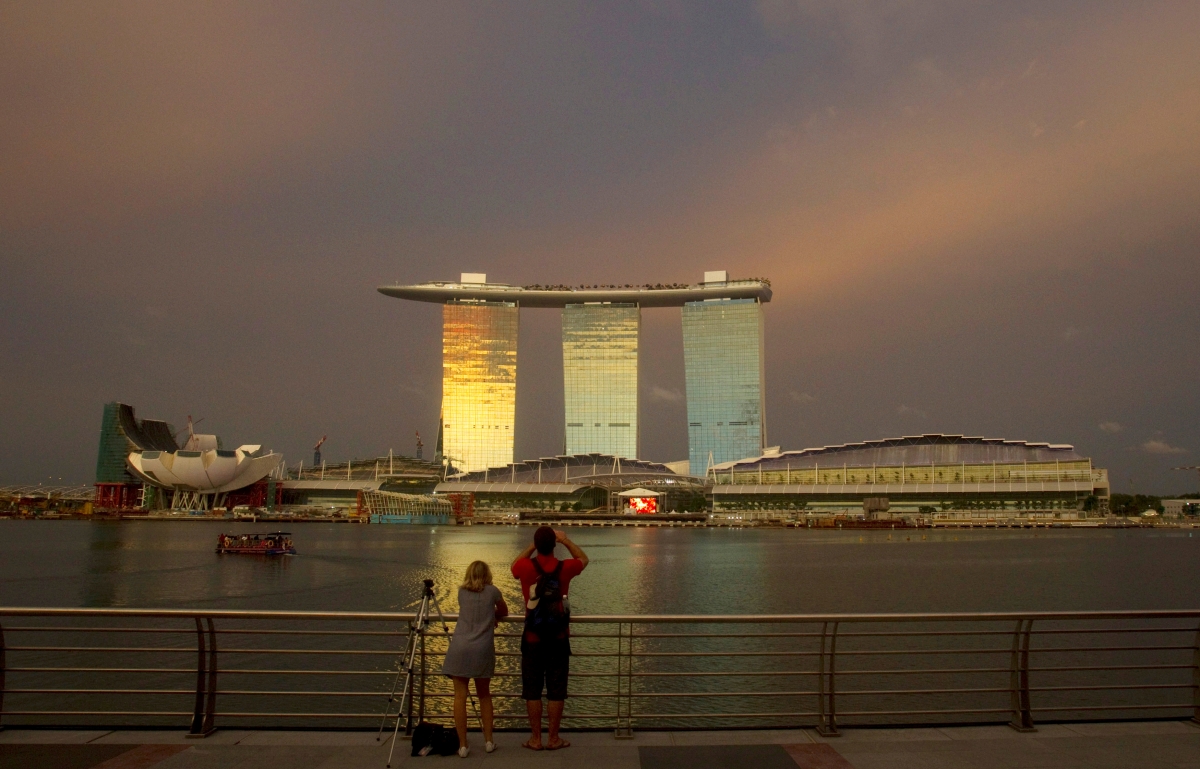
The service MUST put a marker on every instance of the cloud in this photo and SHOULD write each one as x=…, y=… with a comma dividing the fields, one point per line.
x=1155, y=446
x=663, y=394
x=804, y=399
x=1110, y=427
x=910, y=411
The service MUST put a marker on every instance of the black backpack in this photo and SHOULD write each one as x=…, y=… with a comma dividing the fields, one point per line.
x=440, y=740
x=548, y=620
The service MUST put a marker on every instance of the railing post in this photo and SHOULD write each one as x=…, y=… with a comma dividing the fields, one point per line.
x=3, y=668
x=821, y=681
x=206, y=681
x=1195, y=675
x=826, y=697
x=210, y=707
x=624, y=730
x=1018, y=678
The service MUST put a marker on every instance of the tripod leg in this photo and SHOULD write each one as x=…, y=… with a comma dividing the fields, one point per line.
x=441, y=617
x=396, y=681
x=419, y=624
x=410, y=652
x=396, y=729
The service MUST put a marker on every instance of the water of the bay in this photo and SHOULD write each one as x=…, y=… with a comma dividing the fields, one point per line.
x=633, y=570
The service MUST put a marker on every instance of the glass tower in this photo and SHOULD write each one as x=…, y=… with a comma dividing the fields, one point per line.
x=479, y=383
x=723, y=364
x=600, y=378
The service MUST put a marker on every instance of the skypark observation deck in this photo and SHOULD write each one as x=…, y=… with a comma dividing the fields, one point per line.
x=723, y=361
x=651, y=295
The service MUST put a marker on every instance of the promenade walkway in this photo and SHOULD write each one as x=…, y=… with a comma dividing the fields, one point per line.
x=1144, y=745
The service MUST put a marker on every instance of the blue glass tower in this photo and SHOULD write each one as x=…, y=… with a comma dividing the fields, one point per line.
x=600, y=378
x=723, y=364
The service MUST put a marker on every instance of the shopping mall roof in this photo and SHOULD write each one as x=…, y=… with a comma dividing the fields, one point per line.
x=931, y=448
x=565, y=468
x=648, y=295
x=568, y=473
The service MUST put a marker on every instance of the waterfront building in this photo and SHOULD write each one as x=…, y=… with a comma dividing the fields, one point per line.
x=723, y=330
x=600, y=378
x=723, y=360
x=942, y=476
x=479, y=383
x=577, y=483
x=122, y=433
x=1181, y=508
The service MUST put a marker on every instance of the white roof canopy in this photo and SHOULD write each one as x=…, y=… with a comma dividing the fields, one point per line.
x=639, y=492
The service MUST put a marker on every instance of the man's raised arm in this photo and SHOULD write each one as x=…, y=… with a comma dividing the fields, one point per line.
x=523, y=556
x=576, y=550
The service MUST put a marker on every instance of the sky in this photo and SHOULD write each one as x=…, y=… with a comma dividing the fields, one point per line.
x=977, y=218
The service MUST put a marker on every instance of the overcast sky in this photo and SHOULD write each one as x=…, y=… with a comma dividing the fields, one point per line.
x=977, y=218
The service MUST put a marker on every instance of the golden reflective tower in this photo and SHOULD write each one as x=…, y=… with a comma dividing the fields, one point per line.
x=479, y=383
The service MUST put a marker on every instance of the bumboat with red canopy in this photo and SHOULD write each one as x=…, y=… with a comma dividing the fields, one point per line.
x=275, y=543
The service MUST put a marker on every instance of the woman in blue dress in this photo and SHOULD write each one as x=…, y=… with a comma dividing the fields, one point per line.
x=472, y=652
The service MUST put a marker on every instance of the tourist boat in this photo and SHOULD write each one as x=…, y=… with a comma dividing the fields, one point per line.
x=275, y=543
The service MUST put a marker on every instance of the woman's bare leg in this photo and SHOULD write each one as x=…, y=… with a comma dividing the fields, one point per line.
x=460, y=709
x=483, y=687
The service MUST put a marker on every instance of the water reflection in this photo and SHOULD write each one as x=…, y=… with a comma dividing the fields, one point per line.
x=640, y=570
x=105, y=561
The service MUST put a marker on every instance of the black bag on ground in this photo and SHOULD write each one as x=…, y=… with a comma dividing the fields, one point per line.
x=440, y=740
x=445, y=742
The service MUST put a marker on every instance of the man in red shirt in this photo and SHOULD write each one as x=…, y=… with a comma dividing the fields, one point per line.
x=546, y=643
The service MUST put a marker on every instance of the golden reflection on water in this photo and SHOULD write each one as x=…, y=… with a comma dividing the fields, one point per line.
x=632, y=570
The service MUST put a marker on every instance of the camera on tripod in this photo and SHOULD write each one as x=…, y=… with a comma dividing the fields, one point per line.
x=416, y=630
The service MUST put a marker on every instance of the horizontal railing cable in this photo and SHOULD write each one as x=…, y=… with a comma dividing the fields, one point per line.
x=322, y=669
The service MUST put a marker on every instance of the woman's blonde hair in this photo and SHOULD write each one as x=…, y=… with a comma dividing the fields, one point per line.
x=478, y=575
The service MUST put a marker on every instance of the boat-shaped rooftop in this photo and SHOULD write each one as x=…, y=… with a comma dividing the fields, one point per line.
x=537, y=295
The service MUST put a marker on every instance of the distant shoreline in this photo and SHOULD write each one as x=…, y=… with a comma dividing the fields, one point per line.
x=631, y=522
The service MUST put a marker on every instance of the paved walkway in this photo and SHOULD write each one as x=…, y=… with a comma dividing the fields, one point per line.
x=1140, y=745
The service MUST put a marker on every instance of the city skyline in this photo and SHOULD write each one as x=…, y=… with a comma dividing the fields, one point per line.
x=977, y=219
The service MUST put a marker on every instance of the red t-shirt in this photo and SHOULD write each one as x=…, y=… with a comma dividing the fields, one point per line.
x=524, y=570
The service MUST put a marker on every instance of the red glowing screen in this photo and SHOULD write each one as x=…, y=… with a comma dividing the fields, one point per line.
x=643, y=505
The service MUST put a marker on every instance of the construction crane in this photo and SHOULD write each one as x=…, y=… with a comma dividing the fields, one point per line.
x=191, y=431
x=420, y=445
x=317, y=451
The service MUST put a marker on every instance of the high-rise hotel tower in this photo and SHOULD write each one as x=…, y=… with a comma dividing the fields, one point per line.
x=601, y=325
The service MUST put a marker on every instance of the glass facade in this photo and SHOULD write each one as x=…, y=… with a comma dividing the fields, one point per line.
x=600, y=378
x=723, y=364
x=479, y=383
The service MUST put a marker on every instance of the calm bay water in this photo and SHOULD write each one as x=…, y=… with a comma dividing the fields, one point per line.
x=651, y=571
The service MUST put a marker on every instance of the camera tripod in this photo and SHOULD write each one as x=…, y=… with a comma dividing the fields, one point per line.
x=415, y=632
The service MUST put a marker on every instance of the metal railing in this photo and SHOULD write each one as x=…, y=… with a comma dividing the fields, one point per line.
x=260, y=669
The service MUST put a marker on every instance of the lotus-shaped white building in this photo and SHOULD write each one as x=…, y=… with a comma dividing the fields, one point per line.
x=199, y=479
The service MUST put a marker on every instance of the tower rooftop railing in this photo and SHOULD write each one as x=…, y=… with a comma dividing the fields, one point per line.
x=647, y=295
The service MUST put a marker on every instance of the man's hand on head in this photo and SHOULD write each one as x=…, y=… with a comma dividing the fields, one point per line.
x=560, y=535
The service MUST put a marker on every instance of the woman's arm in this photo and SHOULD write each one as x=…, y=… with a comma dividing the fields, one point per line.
x=501, y=609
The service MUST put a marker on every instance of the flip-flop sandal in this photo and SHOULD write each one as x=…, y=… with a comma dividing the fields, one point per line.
x=561, y=744
x=529, y=744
